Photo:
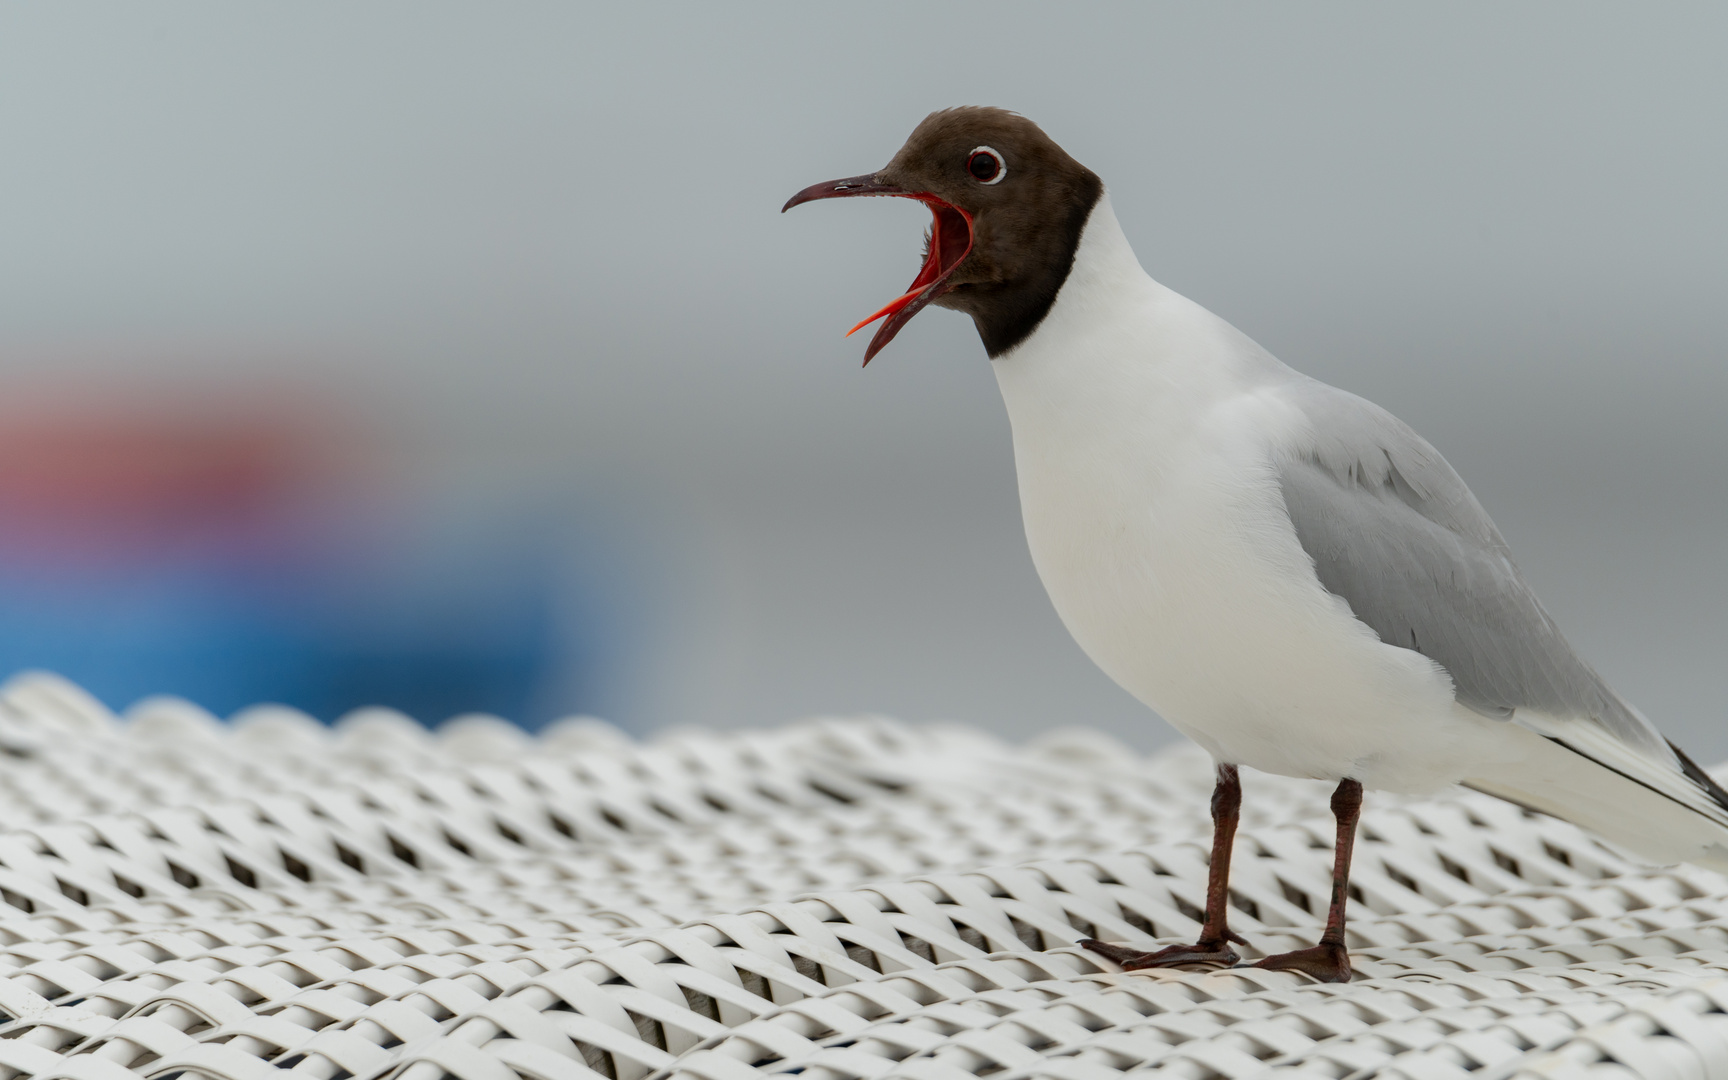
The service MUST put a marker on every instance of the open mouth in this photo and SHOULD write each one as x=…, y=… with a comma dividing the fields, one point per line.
x=946, y=247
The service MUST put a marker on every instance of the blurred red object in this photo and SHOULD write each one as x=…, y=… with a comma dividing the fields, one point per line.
x=90, y=472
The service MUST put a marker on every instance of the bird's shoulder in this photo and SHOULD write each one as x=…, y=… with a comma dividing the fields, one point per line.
x=1361, y=446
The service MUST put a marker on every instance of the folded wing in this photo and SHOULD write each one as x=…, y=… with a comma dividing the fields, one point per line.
x=1394, y=532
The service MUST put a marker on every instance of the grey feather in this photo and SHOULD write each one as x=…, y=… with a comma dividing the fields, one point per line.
x=1394, y=531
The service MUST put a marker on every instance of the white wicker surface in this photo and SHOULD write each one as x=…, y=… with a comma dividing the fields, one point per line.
x=840, y=899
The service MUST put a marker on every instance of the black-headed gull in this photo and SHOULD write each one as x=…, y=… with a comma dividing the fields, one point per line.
x=1286, y=572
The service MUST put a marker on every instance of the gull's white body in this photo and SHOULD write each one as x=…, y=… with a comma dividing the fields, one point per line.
x=1147, y=436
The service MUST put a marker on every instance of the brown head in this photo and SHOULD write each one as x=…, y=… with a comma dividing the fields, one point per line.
x=1007, y=207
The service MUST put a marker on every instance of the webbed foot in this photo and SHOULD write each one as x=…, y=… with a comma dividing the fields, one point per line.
x=1202, y=952
x=1328, y=961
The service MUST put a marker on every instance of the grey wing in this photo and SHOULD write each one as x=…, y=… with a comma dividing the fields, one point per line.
x=1393, y=530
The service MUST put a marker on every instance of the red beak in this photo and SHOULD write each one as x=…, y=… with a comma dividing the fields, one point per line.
x=950, y=242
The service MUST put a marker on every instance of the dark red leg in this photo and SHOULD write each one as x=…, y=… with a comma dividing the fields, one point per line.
x=1215, y=936
x=1328, y=961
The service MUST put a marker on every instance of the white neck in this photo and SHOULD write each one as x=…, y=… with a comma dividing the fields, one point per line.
x=1105, y=272
x=1117, y=347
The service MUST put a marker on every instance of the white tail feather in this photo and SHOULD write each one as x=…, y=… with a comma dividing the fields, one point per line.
x=1651, y=809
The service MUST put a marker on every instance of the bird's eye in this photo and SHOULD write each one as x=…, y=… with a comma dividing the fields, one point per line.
x=986, y=166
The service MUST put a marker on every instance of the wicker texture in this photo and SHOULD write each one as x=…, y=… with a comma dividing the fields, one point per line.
x=837, y=899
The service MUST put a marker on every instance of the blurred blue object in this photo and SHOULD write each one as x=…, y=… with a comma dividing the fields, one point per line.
x=235, y=551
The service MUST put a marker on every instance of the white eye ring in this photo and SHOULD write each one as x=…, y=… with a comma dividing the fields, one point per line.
x=1001, y=166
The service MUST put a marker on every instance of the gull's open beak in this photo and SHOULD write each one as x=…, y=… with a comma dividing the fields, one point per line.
x=950, y=242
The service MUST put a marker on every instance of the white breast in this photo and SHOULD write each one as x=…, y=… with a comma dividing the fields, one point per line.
x=1145, y=430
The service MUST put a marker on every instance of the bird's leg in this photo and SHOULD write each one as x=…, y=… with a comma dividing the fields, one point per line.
x=1328, y=961
x=1215, y=936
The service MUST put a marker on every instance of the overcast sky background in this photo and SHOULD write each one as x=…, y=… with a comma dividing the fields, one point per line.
x=539, y=244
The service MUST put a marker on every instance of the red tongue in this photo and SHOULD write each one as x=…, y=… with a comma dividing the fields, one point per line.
x=931, y=272
x=891, y=307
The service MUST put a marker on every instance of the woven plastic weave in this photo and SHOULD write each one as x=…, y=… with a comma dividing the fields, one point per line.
x=838, y=899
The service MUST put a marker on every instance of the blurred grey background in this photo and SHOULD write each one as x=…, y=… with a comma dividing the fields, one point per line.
x=526, y=260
